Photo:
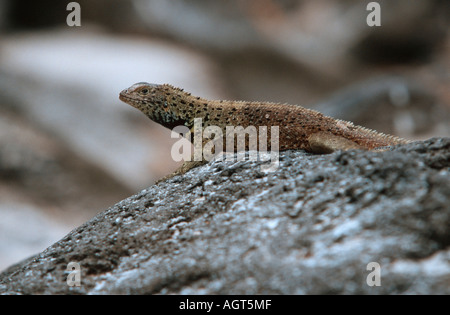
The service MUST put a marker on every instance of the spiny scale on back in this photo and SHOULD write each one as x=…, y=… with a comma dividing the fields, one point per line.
x=300, y=128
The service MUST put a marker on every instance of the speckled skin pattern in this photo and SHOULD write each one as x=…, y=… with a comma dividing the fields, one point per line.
x=299, y=127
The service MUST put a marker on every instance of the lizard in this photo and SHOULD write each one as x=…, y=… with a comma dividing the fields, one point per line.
x=300, y=128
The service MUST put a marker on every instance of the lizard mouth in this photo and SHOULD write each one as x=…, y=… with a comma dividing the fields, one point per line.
x=124, y=97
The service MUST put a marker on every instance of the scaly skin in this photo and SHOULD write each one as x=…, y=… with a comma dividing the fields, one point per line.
x=299, y=128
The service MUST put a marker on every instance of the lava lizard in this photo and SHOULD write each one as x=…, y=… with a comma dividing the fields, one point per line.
x=299, y=128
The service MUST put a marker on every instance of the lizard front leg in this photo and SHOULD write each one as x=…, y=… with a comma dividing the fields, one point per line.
x=188, y=165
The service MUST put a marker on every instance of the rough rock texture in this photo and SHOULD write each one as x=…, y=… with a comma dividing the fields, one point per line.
x=310, y=227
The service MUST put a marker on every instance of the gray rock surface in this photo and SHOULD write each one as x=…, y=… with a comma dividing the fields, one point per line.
x=311, y=227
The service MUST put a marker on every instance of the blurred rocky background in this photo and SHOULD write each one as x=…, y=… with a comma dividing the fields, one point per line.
x=69, y=148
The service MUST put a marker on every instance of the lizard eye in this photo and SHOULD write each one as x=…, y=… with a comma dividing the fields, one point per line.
x=143, y=91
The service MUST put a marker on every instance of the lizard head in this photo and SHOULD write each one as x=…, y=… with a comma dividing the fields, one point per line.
x=155, y=101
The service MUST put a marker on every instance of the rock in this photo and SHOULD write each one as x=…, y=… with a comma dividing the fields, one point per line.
x=310, y=227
